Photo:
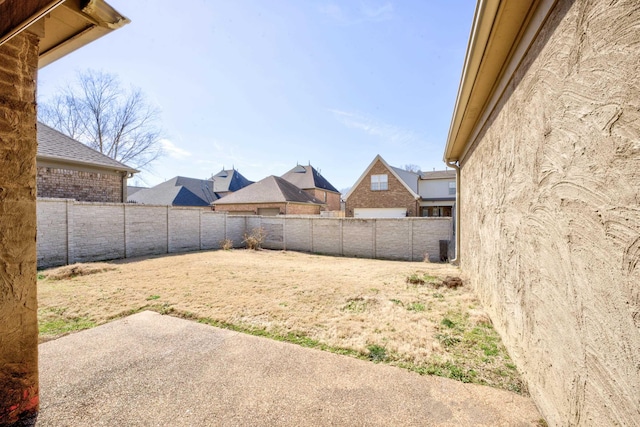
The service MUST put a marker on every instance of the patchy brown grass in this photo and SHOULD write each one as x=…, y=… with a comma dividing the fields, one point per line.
x=387, y=311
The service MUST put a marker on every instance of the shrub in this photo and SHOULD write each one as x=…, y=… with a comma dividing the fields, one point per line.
x=226, y=244
x=255, y=239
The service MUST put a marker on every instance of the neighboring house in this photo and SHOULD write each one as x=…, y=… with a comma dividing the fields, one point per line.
x=69, y=169
x=270, y=196
x=384, y=191
x=437, y=191
x=228, y=181
x=546, y=135
x=131, y=189
x=178, y=191
x=310, y=180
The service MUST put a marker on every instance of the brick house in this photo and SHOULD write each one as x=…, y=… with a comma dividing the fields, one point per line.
x=69, y=169
x=271, y=196
x=383, y=191
x=310, y=180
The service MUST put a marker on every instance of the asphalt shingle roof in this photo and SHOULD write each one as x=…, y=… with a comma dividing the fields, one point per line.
x=55, y=145
x=178, y=191
x=229, y=180
x=438, y=174
x=271, y=189
x=308, y=177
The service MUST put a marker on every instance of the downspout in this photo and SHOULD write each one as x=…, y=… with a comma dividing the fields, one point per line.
x=456, y=221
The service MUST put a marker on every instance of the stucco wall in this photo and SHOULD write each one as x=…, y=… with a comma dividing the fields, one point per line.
x=550, y=217
x=70, y=231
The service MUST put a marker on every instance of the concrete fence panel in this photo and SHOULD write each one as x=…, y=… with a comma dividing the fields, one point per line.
x=326, y=236
x=394, y=239
x=97, y=232
x=427, y=236
x=70, y=231
x=236, y=227
x=298, y=232
x=146, y=230
x=358, y=237
x=274, y=229
x=184, y=229
x=52, y=234
x=212, y=229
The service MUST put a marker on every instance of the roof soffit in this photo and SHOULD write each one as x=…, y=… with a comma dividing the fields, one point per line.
x=501, y=34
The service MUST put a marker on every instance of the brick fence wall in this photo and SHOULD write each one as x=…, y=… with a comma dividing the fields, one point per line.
x=70, y=231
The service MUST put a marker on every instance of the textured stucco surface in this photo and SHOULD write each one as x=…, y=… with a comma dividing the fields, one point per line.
x=18, y=304
x=550, y=215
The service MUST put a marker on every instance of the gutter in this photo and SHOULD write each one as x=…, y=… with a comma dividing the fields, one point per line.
x=456, y=221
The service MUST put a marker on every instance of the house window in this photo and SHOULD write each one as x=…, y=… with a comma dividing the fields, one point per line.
x=379, y=182
x=452, y=188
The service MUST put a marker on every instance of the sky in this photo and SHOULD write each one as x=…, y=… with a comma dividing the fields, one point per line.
x=264, y=85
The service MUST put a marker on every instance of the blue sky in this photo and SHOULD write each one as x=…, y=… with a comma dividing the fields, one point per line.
x=262, y=85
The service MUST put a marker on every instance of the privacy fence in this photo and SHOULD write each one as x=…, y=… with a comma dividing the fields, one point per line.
x=70, y=231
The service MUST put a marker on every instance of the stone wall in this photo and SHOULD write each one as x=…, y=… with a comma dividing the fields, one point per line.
x=70, y=231
x=83, y=186
x=550, y=223
x=396, y=196
x=18, y=303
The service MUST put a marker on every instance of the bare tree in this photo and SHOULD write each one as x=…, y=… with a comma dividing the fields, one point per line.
x=411, y=168
x=96, y=110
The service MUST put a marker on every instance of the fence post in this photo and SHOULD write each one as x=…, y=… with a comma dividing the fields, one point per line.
x=124, y=228
x=70, y=254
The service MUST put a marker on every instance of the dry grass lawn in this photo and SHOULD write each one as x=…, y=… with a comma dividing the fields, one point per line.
x=360, y=307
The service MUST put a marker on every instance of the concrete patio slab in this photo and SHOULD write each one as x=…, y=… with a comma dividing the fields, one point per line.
x=154, y=370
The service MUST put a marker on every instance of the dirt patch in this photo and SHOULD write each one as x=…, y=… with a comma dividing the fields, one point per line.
x=386, y=311
x=75, y=270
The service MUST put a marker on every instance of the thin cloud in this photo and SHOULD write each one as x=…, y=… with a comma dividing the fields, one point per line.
x=389, y=133
x=377, y=14
x=366, y=12
x=173, y=150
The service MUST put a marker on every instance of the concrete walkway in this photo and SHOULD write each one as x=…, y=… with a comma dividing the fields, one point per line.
x=153, y=370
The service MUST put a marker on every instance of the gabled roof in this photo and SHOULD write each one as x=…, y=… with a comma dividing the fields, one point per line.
x=229, y=180
x=307, y=177
x=405, y=177
x=178, y=191
x=438, y=174
x=271, y=189
x=56, y=146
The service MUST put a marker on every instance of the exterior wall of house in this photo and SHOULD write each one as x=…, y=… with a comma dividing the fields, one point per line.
x=285, y=209
x=432, y=188
x=331, y=199
x=550, y=224
x=397, y=195
x=18, y=303
x=83, y=186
